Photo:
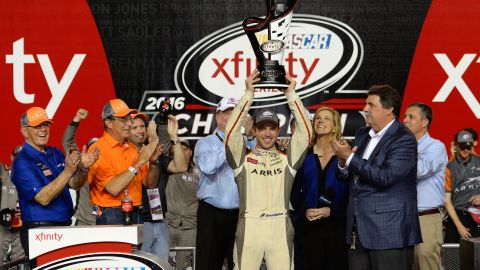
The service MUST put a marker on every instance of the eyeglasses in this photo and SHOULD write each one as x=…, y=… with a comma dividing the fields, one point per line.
x=41, y=126
x=124, y=119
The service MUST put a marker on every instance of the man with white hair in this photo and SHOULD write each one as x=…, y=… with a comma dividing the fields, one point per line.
x=218, y=196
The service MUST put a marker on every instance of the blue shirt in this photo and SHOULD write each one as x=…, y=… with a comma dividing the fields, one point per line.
x=217, y=185
x=432, y=160
x=31, y=171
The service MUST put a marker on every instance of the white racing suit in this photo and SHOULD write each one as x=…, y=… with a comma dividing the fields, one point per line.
x=264, y=180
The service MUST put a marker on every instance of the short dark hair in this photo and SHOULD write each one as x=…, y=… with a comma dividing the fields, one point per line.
x=389, y=97
x=426, y=111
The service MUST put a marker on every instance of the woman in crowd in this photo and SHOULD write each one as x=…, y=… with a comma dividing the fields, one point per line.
x=322, y=198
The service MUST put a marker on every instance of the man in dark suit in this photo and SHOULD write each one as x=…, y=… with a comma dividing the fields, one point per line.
x=382, y=217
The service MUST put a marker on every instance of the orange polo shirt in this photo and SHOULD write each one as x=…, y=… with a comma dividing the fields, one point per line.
x=114, y=159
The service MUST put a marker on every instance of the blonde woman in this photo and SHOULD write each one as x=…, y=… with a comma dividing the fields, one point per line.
x=321, y=198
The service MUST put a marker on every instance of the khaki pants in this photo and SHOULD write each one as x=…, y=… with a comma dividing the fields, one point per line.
x=264, y=238
x=8, y=238
x=427, y=254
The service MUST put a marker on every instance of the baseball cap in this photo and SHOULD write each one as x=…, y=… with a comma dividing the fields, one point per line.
x=141, y=115
x=464, y=138
x=266, y=115
x=117, y=108
x=34, y=117
x=226, y=103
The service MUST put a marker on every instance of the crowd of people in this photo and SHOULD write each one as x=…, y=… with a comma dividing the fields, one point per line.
x=388, y=200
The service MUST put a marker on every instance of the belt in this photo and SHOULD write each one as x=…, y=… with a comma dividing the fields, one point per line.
x=229, y=211
x=429, y=212
x=48, y=223
x=135, y=208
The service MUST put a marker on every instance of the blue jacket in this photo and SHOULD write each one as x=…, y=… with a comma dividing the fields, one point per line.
x=305, y=188
x=384, y=198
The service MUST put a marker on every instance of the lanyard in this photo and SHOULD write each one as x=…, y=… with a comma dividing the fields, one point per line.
x=218, y=136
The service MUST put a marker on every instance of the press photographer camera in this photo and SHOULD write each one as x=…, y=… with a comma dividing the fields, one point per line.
x=166, y=108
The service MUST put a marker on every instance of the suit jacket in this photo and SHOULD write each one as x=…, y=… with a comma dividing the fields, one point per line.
x=383, y=199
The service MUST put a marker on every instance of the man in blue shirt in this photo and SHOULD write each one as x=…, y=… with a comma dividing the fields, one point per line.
x=432, y=160
x=218, y=206
x=42, y=175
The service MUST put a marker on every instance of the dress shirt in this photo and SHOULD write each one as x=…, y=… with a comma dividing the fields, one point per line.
x=374, y=140
x=217, y=185
x=432, y=160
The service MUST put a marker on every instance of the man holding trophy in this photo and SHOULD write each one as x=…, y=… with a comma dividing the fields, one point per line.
x=264, y=177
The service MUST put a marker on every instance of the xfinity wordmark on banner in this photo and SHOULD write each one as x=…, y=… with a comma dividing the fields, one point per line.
x=63, y=55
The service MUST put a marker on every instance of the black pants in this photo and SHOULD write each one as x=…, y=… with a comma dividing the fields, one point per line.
x=30, y=225
x=451, y=232
x=323, y=244
x=215, y=236
x=388, y=259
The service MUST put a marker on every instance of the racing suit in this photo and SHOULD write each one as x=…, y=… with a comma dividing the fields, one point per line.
x=264, y=179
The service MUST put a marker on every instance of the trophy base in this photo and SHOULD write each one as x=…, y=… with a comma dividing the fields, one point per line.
x=270, y=85
x=272, y=75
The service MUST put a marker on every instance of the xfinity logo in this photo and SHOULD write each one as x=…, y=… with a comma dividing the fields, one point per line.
x=58, y=87
x=322, y=54
x=48, y=237
x=455, y=80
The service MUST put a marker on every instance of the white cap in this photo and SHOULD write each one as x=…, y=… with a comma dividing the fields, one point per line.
x=226, y=103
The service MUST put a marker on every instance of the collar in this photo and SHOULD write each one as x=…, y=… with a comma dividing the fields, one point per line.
x=259, y=151
x=425, y=137
x=112, y=142
x=35, y=152
x=372, y=133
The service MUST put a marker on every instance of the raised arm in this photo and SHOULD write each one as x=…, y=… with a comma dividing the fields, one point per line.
x=234, y=142
x=300, y=140
x=68, y=140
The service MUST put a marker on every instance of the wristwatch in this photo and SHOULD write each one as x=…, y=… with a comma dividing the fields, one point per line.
x=133, y=170
x=174, y=142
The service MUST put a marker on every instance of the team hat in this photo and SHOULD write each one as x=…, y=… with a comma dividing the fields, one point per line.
x=117, y=108
x=266, y=115
x=34, y=117
x=226, y=103
x=464, y=138
x=141, y=115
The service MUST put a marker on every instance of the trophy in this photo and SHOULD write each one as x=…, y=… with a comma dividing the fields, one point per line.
x=165, y=109
x=270, y=53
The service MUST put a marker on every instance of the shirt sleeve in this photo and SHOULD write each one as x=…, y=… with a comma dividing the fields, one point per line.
x=208, y=158
x=300, y=140
x=234, y=141
x=431, y=160
x=448, y=180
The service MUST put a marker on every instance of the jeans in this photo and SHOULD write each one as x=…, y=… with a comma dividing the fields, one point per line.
x=156, y=239
x=113, y=216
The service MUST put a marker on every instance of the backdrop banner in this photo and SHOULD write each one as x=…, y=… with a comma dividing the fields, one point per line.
x=65, y=55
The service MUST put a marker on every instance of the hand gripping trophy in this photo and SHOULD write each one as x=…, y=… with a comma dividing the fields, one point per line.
x=270, y=53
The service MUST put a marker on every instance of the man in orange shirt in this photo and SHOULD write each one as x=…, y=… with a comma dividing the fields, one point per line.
x=120, y=168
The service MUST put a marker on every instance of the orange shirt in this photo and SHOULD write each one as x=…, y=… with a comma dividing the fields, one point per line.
x=114, y=159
